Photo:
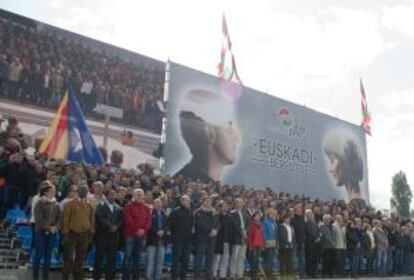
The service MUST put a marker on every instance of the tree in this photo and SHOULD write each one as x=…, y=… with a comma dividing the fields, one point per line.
x=401, y=195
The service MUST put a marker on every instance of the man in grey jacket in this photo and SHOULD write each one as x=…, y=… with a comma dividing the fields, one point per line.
x=339, y=229
x=328, y=239
x=381, y=244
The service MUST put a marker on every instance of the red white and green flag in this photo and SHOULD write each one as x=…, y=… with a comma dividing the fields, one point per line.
x=366, y=116
x=227, y=67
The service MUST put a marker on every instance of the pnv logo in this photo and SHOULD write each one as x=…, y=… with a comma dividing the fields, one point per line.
x=287, y=121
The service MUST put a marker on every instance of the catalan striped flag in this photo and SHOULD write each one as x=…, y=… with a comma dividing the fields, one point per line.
x=68, y=136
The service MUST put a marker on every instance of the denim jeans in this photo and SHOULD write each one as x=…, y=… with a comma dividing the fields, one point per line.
x=133, y=249
x=398, y=261
x=155, y=261
x=238, y=257
x=382, y=262
x=390, y=260
x=221, y=262
x=43, y=249
x=254, y=257
x=340, y=260
x=269, y=258
x=204, y=251
x=355, y=261
x=180, y=259
x=300, y=257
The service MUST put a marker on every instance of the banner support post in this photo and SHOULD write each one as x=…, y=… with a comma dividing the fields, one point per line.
x=105, y=138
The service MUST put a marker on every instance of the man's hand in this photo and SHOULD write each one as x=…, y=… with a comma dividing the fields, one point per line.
x=113, y=228
x=52, y=229
x=160, y=233
x=213, y=232
x=140, y=232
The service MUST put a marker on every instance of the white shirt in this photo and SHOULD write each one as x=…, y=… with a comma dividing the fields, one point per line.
x=111, y=207
x=35, y=200
x=371, y=238
x=241, y=219
x=289, y=232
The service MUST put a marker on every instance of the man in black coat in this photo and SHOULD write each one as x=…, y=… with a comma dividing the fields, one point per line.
x=156, y=242
x=108, y=222
x=180, y=223
x=206, y=227
x=312, y=243
x=222, y=247
x=286, y=242
x=240, y=222
x=298, y=223
x=354, y=239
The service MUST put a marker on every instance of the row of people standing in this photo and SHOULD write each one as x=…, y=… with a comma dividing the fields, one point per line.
x=221, y=238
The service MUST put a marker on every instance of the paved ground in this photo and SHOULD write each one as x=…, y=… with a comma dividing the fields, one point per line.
x=24, y=274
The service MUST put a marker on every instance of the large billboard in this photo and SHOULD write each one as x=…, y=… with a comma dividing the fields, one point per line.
x=245, y=137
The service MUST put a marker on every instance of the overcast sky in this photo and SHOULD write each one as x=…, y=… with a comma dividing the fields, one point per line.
x=310, y=52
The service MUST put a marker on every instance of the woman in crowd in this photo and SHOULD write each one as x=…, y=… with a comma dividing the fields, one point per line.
x=255, y=244
x=47, y=214
x=270, y=229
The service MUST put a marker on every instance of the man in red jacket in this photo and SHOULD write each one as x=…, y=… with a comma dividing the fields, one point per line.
x=137, y=222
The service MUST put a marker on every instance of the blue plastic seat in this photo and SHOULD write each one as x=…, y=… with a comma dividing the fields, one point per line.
x=15, y=214
x=24, y=232
x=27, y=244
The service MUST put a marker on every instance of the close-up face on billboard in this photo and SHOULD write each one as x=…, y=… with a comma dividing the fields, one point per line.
x=214, y=134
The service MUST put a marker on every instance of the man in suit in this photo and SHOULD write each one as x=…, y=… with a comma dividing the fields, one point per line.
x=286, y=241
x=240, y=221
x=206, y=225
x=156, y=242
x=180, y=223
x=108, y=223
x=312, y=243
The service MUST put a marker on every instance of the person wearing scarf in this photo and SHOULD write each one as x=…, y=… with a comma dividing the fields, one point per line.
x=46, y=215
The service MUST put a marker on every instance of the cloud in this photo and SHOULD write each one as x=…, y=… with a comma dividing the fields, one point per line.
x=400, y=18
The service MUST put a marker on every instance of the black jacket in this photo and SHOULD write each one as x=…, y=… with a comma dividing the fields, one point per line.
x=153, y=238
x=354, y=238
x=283, y=237
x=205, y=221
x=312, y=233
x=224, y=232
x=298, y=223
x=105, y=218
x=236, y=236
x=180, y=223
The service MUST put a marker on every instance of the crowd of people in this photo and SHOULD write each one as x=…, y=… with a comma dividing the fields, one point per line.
x=232, y=231
x=37, y=66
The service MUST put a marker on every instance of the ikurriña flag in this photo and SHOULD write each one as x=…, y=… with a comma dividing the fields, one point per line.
x=68, y=136
x=366, y=116
x=230, y=83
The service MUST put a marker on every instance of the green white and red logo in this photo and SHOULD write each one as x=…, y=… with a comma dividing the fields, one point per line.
x=287, y=120
x=285, y=117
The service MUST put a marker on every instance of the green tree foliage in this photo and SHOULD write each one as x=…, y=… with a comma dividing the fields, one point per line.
x=401, y=195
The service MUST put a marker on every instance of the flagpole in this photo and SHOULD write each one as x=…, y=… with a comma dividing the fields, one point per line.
x=106, y=129
x=164, y=118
